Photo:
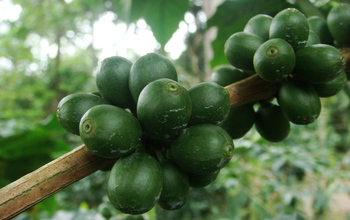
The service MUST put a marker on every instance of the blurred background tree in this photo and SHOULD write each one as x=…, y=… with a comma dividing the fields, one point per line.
x=50, y=49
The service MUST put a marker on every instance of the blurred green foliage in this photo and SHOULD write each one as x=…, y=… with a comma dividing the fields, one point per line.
x=298, y=178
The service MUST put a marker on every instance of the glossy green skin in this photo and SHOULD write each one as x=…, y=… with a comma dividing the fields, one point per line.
x=313, y=39
x=292, y=26
x=274, y=60
x=225, y=75
x=271, y=123
x=148, y=68
x=109, y=131
x=112, y=80
x=202, y=180
x=319, y=26
x=210, y=103
x=299, y=102
x=240, y=48
x=239, y=121
x=135, y=183
x=175, y=186
x=72, y=107
x=332, y=87
x=318, y=63
x=338, y=22
x=164, y=109
x=259, y=25
x=203, y=148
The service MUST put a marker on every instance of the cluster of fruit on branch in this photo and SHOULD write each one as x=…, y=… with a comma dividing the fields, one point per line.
x=166, y=137
x=302, y=54
x=169, y=138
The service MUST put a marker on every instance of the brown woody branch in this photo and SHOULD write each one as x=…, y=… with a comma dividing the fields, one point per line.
x=79, y=163
x=251, y=90
x=38, y=185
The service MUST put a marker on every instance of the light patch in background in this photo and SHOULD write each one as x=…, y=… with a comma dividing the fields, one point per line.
x=191, y=22
x=110, y=38
x=9, y=11
x=176, y=45
x=119, y=39
x=6, y=64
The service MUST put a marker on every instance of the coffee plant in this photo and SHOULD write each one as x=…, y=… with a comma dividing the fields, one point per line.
x=286, y=49
x=169, y=139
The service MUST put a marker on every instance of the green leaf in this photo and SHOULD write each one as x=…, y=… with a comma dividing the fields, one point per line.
x=28, y=143
x=49, y=205
x=24, y=152
x=41, y=140
x=130, y=11
x=320, y=202
x=232, y=16
x=163, y=16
